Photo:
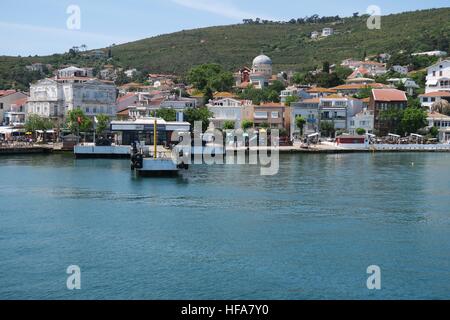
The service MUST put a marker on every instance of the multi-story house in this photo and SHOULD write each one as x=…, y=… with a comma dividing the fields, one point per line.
x=382, y=100
x=337, y=109
x=228, y=109
x=54, y=98
x=428, y=99
x=73, y=72
x=8, y=99
x=308, y=109
x=438, y=77
x=373, y=68
x=272, y=115
x=442, y=123
x=362, y=120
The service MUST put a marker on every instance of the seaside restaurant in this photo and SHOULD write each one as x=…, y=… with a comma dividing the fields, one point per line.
x=142, y=130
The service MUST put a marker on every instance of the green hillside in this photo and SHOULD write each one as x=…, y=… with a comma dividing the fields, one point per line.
x=289, y=45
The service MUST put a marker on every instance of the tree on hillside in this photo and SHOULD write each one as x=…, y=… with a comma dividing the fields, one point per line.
x=78, y=122
x=343, y=72
x=277, y=86
x=35, y=122
x=360, y=131
x=210, y=75
x=198, y=114
x=326, y=67
x=364, y=93
x=413, y=120
x=168, y=114
x=102, y=123
x=327, y=128
x=291, y=99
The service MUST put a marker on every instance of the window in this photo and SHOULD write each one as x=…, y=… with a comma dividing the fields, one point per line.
x=275, y=115
x=260, y=115
x=94, y=110
x=425, y=99
x=1, y=106
x=440, y=73
x=434, y=73
x=87, y=110
x=433, y=99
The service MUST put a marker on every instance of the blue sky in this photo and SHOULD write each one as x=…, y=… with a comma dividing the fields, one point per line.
x=40, y=27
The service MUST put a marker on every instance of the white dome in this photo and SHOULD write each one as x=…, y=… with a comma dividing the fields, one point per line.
x=262, y=59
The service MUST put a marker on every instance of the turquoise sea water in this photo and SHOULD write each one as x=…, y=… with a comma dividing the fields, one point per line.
x=225, y=232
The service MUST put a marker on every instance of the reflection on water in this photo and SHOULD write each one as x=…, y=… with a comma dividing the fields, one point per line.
x=225, y=232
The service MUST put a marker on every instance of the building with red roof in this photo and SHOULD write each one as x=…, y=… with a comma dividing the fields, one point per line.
x=383, y=100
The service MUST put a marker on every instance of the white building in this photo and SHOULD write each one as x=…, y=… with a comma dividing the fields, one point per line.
x=438, y=77
x=72, y=72
x=373, y=68
x=308, y=109
x=178, y=103
x=315, y=35
x=326, y=32
x=428, y=99
x=8, y=99
x=410, y=85
x=442, y=122
x=288, y=92
x=55, y=98
x=400, y=69
x=338, y=110
x=362, y=120
x=436, y=53
x=130, y=73
x=228, y=109
x=261, y=71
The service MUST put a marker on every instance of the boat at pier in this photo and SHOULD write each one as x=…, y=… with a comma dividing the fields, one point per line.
x=160, y=163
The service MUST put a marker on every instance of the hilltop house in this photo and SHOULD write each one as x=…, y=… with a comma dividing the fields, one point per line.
x=383, y=100
x=400, y=69
x=326, y=32
x=373, y=68
x=438, y=77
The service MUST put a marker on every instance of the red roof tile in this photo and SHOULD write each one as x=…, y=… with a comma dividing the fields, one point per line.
x=436, y=94
x=389, y=95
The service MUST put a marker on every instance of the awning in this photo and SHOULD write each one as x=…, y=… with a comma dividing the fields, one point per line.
x=432, y=82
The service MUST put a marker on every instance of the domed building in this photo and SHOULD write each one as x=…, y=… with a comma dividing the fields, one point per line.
x=261, y=71
x=262, y=64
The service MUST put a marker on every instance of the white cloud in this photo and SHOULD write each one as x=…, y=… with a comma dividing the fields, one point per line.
x=222, y=8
